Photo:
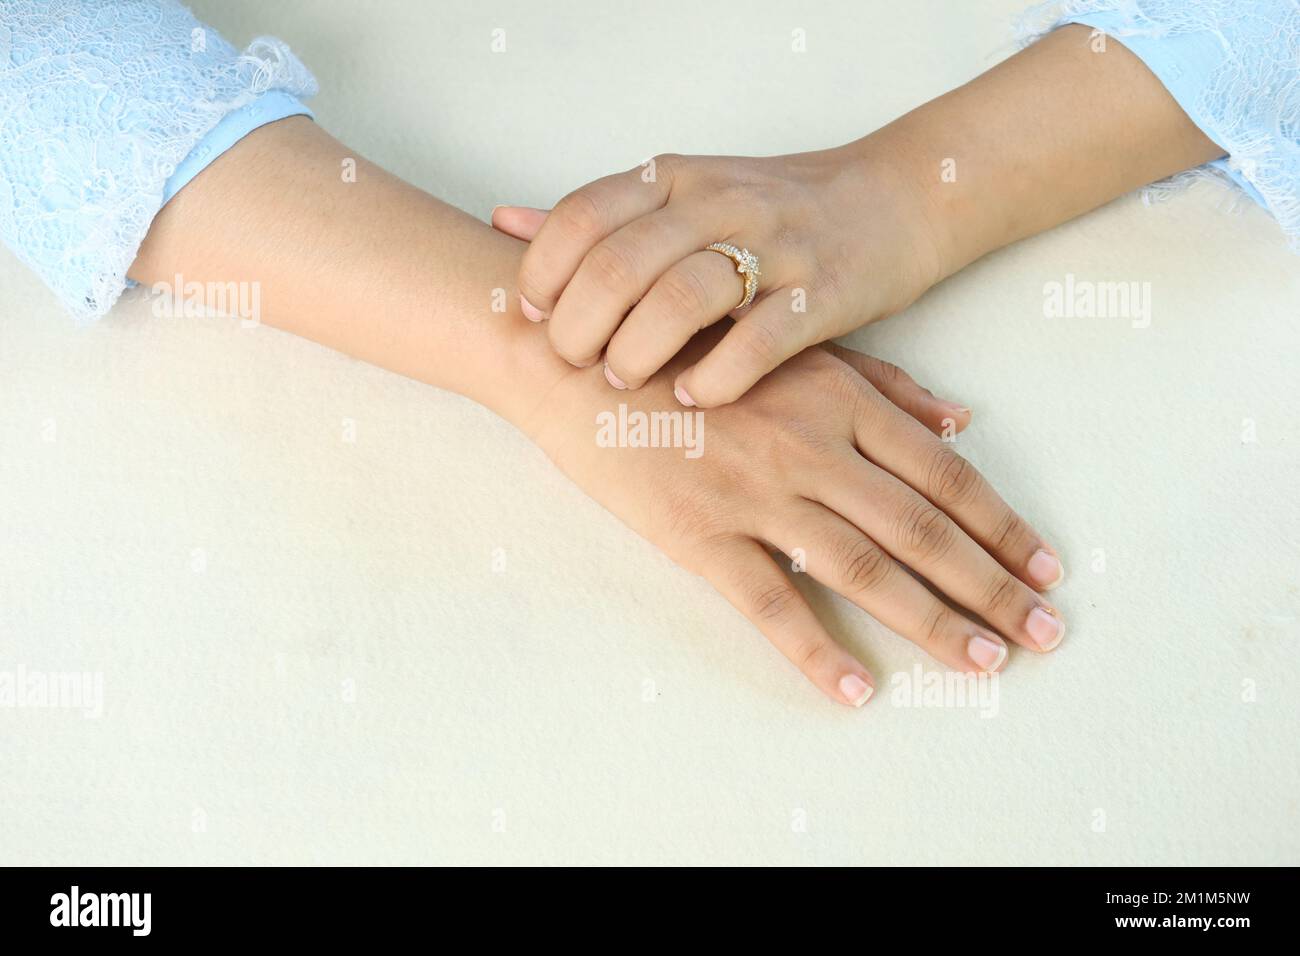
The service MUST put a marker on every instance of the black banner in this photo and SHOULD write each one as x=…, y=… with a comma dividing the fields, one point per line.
x=106, y=906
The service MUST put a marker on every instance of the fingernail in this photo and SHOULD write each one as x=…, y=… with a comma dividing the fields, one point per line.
x=531, y=312
x=1045, y=568
x=986, y=652
x=1045, y=628
x=954, y=409
x=855, y=689
x=612, y=378
x=684, y=397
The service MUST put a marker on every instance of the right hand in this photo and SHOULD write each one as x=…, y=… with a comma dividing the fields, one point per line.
x=834, y=454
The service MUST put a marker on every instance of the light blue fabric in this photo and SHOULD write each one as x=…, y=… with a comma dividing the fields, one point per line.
x=108, y=107
x=267, y=108
x=1234, y=68
x=102, y=106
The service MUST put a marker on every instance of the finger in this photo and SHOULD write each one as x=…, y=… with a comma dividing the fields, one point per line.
x=844, y=559
x=899, y=444
x=940, y=416
x=615, y=274
x=929, y=542
x=766, y=336
x=522, y=222
x=693, y=294
x=579, y=221
x=748, y=577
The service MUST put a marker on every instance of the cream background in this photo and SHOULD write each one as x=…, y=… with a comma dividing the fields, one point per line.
x=517, y=696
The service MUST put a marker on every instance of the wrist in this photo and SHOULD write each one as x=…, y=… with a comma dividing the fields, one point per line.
x=523, y=376
x=887, y=182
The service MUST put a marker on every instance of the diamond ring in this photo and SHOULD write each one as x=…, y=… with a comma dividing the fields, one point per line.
x=746, y=264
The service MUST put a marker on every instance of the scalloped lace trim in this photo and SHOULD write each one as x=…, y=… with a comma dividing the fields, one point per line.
x=1251, y=100
x=99, y=102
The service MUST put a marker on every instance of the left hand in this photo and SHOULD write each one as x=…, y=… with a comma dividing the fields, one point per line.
x=621, y=265
x=836, y=461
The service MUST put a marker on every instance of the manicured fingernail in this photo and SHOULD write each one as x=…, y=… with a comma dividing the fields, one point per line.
x=986, y=652
x=1045, y=568
x=953, y=408
x=855, y=689
x=684, y=397
x=612, y=378
x=1045, y=628
x=531, y=312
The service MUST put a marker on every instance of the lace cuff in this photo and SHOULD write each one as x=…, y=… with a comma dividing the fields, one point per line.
x=99, y=106
x=1233, y=66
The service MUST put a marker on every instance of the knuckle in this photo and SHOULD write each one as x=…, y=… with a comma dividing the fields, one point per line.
x=808, y=653
x=668, y=162
x=836, y=273
x=1002, y=594
x=706, y=551
x=830, y=282
x=845, y=386
x=612, y=265
x=684, y=292
x=759, y=344
x=581, y=216
x=740, y=193
x=951, y=480
x=772, y=603
x=925, y=531
x=936, y=625
x=694, y=518
x=1008, y=529
x=863, y=567
x=888, y=372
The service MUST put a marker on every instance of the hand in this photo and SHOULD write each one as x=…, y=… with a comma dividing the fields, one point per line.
x=818, y=457
x=833, y=454
x=620, y=265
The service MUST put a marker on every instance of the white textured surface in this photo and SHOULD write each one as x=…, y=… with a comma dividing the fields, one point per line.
x=485, y=697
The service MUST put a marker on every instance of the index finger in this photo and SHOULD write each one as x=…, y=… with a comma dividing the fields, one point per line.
x=577, y=223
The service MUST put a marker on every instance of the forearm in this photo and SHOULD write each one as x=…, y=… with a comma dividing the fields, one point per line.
x=380, y=271
x=374, y=268
x=1047, y=135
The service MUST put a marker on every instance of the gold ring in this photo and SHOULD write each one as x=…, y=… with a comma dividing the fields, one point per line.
x=746, y=264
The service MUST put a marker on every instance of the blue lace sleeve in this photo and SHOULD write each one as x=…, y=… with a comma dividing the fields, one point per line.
x=1234, y=68
x=106, y=110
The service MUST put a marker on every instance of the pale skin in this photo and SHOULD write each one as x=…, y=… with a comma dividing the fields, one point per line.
x=848, y=235
x=832, y=454
x=836, y=454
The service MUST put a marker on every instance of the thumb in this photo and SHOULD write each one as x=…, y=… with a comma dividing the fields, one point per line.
x=522, y=222
x=900, y=388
